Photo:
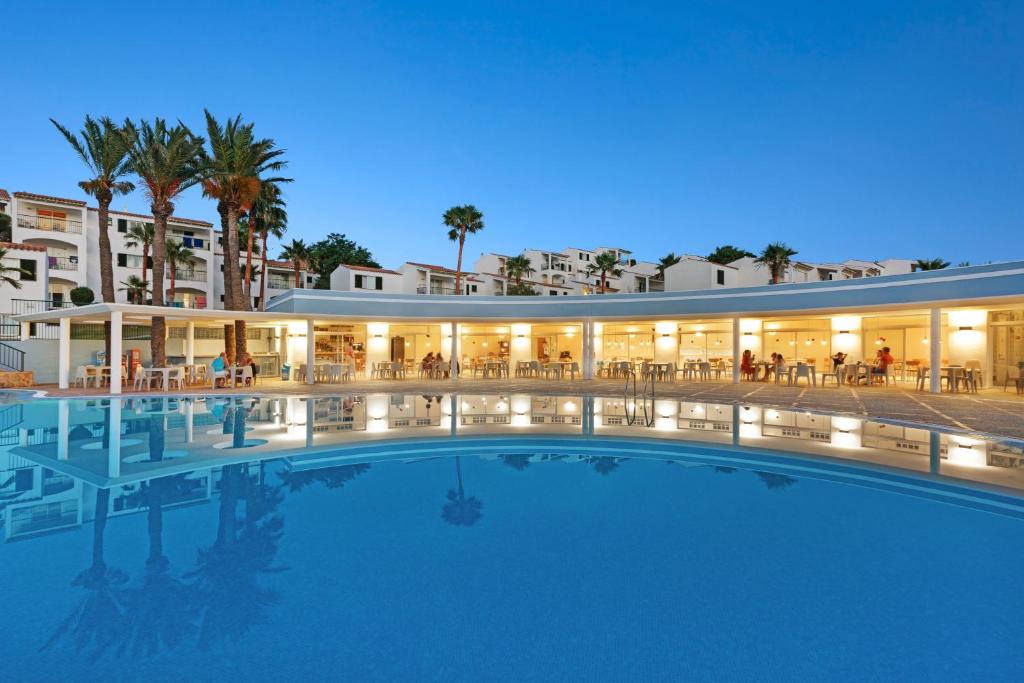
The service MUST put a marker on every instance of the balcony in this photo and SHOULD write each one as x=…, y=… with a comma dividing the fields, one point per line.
x=193, y=275
x=62, y=262
x=50, y=224
x=22, y=306
x=435, y=289
x=280, y=282
x=195, y=302
x=190, y=241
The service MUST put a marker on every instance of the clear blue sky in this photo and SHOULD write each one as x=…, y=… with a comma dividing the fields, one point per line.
x=848, y=129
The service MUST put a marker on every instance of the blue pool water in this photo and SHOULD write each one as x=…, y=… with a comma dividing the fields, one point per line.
x=392, y=554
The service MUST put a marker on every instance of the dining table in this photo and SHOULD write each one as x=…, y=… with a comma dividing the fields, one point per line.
x=163, y=373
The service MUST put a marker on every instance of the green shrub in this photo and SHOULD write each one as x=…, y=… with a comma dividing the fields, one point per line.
x=82, y=296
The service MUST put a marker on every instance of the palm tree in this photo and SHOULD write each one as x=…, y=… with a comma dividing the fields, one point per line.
x=7, y=273
x=727, y=253
x=605, y=263
x=140, y=234
x=460, y=510
x=267, y=217
x=168, y=161
x=177, y=255
x=518, y=267
x=462, y=221
x=669, y=259
x=776, y=257
x=136, y=289
x=297, y=252
x=931, y=264
x=101, y=148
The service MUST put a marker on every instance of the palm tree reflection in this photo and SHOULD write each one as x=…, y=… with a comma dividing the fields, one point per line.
x=775, y=481
x=517, y=461
x=604, y=464
x=332, y=477
x=460, y=510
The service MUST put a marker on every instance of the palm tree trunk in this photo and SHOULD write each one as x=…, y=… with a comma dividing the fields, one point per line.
x=229, y=342
x=99, y=525
x=248, y=261
x=263, y=272
x=106, y=265
x=170, y=291
x=158, y=330
x=232, y=269
x=458, y=265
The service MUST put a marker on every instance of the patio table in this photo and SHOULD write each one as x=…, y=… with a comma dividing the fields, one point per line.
x=163, y=373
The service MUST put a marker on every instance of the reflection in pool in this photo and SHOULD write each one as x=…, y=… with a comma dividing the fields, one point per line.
x=390, y=536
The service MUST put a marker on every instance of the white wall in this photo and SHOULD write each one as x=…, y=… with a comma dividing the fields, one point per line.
x=695, y=274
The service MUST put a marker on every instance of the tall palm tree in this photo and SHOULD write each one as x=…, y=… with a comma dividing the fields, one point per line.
x=266, y=217
x=297, y=252
x=7, y=273
x=177, y=255
x=605, y=263
x=931, y=264
x=460, y=510
x=462, y=221
x=168, y=160
x=135, y=289
x=140, y=234
x=669, y=259
x=101, y=148
x=238, y=162
x=776, y=257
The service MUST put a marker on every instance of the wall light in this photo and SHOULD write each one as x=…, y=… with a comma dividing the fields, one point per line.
x=966, y=328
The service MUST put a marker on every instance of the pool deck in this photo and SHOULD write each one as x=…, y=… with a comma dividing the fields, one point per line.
x=990, y=411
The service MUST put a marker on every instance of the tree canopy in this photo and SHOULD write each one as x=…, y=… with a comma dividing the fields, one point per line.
x=334, y=250
x=727, y=253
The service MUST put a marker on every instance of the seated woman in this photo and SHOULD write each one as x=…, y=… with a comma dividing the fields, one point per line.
x=747, y=367
x=219, y=370
x=427, y=363
x=780, y=365
x=838, y=359
x=247, y=359
x=770, y=369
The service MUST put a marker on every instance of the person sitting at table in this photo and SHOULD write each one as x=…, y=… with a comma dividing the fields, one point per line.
x=747, y=368
x=770, y=368
x=248, y=360
x=565, y=355
x=780, y=365
x=883, y=359
x=838, y=359
x=219, y=369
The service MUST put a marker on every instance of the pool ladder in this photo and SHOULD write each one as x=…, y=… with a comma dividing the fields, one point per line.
x=646, y=394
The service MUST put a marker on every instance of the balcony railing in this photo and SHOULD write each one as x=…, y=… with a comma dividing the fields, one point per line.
x=190, y=275
x=23, y=306
x=188, y=304
x=190, y=241
x=50, y=223
x=63, y=262
x=280, y=283
x=422, y=289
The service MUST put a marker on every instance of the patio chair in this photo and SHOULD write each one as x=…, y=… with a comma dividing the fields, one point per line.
x=922, y=377
x=82, y=375
x=837, y=374
x=1012, y=375
x=552, y=368
x=974, y=365
x=574, y=368
x=720, y=367
x=139, y=382
x=803, y=370
x=703, y=372
x=176, y=376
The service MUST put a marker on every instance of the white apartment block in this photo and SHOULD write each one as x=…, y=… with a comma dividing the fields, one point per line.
x=55, y=242
x=751, y=274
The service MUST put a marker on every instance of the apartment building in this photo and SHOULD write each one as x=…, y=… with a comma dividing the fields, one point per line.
x=55, y=245
x=749, y=273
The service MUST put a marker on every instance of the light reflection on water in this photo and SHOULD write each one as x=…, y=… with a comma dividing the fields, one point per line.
x=71, y=467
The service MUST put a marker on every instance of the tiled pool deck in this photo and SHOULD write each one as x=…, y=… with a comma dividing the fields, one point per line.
x=991, y=411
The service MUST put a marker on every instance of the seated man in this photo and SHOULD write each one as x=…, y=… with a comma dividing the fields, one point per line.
x=219, y=369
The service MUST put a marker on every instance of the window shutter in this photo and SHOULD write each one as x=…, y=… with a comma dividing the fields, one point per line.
x=122, y=225
x=359, y=281
x=380, y=283
x=122, y=260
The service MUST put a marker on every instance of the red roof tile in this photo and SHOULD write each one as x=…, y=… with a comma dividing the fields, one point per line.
x=529, y=282
x=438, y=269
x=46, y=198
x=23, y=247
x=4, y=196
x=173, y=219
x=370, y=270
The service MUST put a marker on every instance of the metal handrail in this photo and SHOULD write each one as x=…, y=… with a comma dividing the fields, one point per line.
x=49, y=223
x=647, y=394
x=12, y=358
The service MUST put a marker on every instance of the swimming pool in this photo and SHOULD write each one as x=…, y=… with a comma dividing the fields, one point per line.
x=501, y=536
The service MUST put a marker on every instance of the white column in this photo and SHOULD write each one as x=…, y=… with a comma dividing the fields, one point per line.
x=935, y=351
x=588, y=349
x=736, y=353
x=310, y=419
x=454, y=403
x=190, y=342
x=189, y=421
x=116, y=332
x=455, y=351
x=310, y=351
x=62, y=429
x=64, y=353
x=26, y=329
x=114, y=440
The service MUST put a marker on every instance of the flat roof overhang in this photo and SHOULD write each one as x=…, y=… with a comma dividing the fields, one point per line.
x=991, y=285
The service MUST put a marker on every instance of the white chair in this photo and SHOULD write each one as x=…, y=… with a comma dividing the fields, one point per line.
x=1012, y=375
x=974, y=366
x=82, y=375
x=837, y=374
x=574, y=368
x=140, y=379
x=805, y=371
x=176, y=376
x=241, y=375
x=922, y=377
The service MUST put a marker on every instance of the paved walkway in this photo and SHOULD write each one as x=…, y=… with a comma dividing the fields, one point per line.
x=991, y=411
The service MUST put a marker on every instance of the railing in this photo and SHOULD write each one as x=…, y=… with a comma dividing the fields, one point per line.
x=191, y=241
x=11, y=358
x=435, y=290
x=187, y=304
x=63, y=262
x=190, y=275
x=50, y=223
x=23, y=306
x=646, y=395
x=280, y=283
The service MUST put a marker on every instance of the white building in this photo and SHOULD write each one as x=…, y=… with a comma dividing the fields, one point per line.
x=349, y=278
x=694, y=272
